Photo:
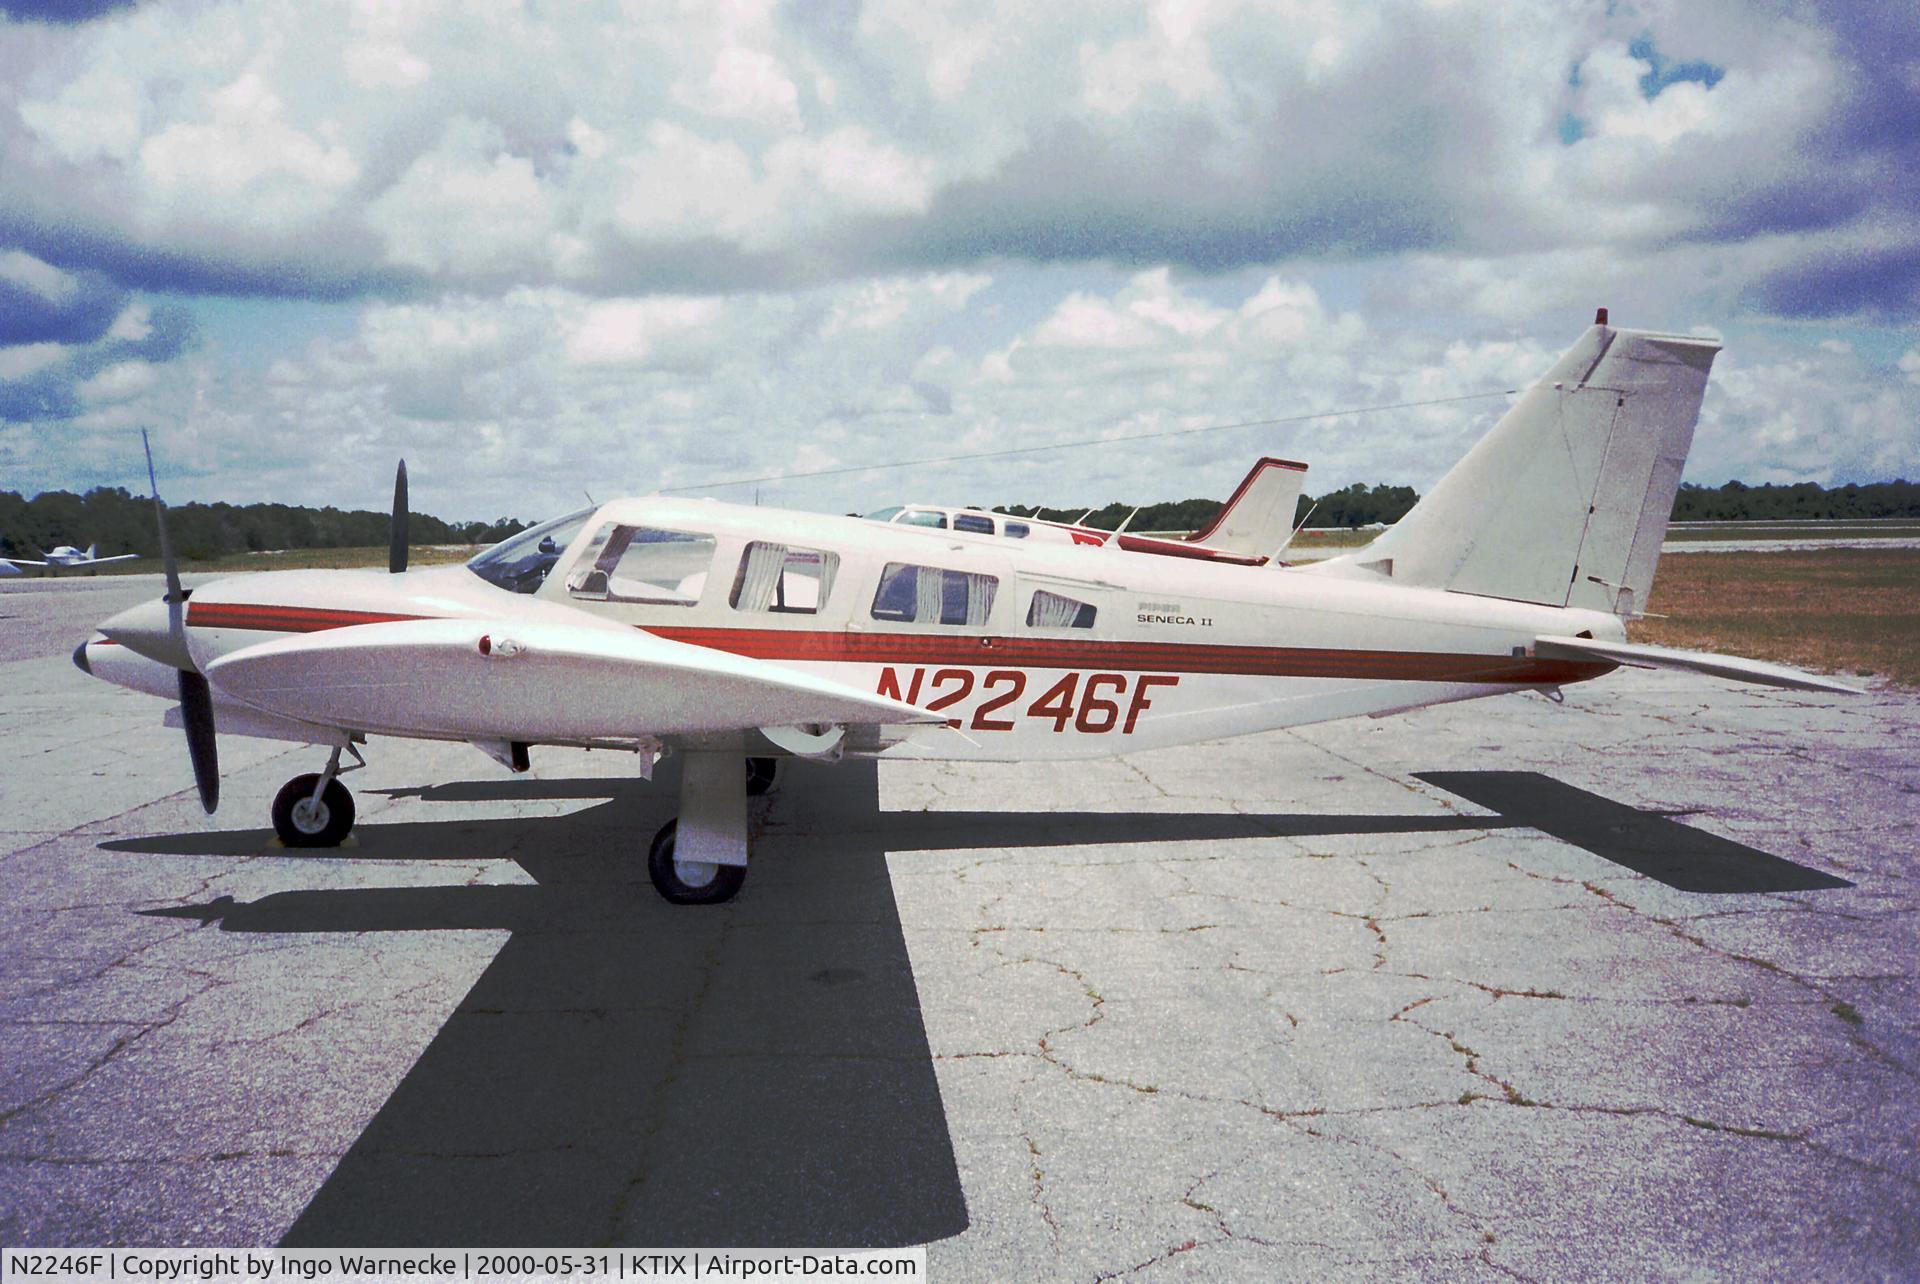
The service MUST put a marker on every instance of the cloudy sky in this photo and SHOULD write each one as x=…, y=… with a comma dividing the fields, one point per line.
x=543, y=248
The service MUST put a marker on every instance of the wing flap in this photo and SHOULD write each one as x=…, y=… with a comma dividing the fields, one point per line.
x=536, y=680
x=1719, y=666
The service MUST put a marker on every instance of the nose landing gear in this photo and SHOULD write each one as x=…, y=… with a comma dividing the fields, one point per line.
x=315, y=809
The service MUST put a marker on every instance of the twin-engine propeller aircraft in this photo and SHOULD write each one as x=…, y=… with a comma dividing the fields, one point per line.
x=66, y=557
x=736, y=635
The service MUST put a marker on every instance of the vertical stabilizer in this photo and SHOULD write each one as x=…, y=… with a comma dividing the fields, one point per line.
x=1257, y=519
x=1565, y=500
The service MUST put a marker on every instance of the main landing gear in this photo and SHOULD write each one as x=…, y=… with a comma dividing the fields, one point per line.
x=690, y=882
x=316, y=810
x=700, y=857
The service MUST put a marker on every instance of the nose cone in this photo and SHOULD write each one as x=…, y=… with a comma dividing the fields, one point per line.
x=147, y=629
x=80, y=660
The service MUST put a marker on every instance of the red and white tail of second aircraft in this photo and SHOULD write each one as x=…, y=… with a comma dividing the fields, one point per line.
x=733, y=634
x=1251, y=528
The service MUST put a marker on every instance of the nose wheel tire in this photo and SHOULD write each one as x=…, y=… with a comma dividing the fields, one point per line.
x=690, y=883
x=302, y=822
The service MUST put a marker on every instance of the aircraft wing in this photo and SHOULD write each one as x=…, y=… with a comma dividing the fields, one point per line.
x=1660, y=657
x=533, y=680
x=25, y=561
x=100, y=561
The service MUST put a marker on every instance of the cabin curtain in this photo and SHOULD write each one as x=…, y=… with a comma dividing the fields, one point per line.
x=829, y=563
x=765, y=562
x=928, y=595
x=979, y=599
x=1052, y=611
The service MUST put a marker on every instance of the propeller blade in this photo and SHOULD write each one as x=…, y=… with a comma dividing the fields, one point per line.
x=176, y=600
x=397, y=548
x=196, y=700
x=196, y=714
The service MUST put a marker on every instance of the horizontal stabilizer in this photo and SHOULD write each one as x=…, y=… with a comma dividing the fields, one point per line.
x=1661, y=657
x=532, y=680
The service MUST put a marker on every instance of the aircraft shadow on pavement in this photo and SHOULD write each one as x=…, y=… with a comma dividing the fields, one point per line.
x=923, y=831
x=754, y=1074
x=1647, y=842
x=631, y=1072
x=626, y=1071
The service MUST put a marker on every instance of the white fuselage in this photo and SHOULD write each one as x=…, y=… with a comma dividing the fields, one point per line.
x=1120, y=652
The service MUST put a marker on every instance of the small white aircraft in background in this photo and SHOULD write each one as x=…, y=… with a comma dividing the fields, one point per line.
x=733, y=635
x=66, y=557
x=1251, y=529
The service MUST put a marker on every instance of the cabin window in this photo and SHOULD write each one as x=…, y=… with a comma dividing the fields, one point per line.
x=885, y=514
x=643, y=564
x=779, y=577
x=930, y=595
x=976, y=523
x=922, y=517
x=1016, y=530
x=1053, y=611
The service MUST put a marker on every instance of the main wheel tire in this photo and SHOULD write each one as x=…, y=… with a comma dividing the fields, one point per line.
x=301, y=822
x=761, y=773
x=690, y=884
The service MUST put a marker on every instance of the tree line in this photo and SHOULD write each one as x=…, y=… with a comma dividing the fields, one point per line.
x=1355, y=505
x=1361, y=505
x=1802, y=501
x=123, y=523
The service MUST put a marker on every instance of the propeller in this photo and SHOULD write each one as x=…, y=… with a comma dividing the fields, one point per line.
x=397, y=537
x=196, y=699
x=196, y=715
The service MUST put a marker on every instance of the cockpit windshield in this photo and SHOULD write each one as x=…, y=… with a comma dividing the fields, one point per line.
x=520, y=562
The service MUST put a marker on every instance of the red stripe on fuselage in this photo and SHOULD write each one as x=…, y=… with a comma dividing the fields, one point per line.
x=822, y=646
x=1147, y=657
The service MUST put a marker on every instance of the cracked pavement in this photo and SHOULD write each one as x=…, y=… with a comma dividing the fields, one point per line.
x=1260, y=1009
